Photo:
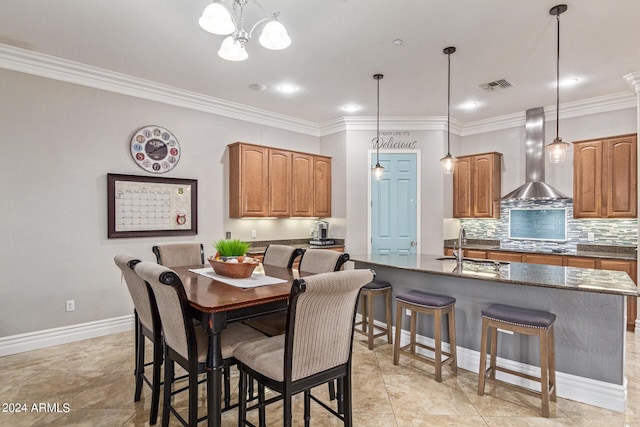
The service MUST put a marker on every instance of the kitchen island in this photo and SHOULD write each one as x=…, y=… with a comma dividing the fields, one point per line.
x=590, y=306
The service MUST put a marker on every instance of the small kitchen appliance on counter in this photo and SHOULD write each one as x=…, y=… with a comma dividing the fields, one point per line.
x=321, y=234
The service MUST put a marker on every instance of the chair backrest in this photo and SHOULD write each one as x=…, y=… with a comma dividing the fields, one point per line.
x=281, y=255
x=320, y=321
x=172, y=305
x=142, y=300
x=178, y=254
x=322, y=261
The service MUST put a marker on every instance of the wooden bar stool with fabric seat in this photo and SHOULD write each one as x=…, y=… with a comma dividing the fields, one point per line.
x=435, y=305
x=367, y=296
x=522, y=321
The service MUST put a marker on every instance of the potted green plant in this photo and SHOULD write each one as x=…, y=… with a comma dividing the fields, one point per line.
x=230, y=261
x=227, y=248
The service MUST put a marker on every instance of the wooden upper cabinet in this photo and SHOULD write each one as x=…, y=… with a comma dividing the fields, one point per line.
x=462, y=188
x=279, y=183
x=587, y=180
x=476, y=186
x=605, y=178
x=321, y=186
x=248, y=181
x=269, y=182
x=620, y=171
x=302, y=184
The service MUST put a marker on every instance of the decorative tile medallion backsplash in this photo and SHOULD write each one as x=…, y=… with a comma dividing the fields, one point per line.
x=612, y=232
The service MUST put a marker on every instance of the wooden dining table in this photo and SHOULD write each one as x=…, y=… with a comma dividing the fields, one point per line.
x=216, y=303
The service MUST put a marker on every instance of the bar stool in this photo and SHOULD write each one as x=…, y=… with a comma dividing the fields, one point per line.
x=435, y=305
x=523, y=321
x=367, y=295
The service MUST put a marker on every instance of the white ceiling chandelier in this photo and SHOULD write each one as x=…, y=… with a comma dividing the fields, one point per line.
x=217, y=19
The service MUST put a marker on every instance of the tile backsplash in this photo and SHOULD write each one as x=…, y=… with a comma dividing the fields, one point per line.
x=611, y=232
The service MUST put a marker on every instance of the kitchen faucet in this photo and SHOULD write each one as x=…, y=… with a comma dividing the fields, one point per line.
x=462, y=238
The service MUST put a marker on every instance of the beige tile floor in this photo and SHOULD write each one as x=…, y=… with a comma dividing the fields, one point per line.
x=95, y=379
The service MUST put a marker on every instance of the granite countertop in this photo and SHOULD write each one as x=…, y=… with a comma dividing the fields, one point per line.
x=590, y=251
x=549, y=276
x=258, y=247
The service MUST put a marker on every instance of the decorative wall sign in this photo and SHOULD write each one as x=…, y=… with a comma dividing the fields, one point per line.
x=155, y=149
x=394, y=140
x=142, y=206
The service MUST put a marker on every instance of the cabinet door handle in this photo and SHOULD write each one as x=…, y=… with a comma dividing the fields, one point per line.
x=413, y=243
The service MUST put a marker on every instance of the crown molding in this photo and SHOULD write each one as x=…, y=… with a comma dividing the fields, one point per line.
x=367, y=123
x=585, y=107
x=39, y=64
x=634, y=80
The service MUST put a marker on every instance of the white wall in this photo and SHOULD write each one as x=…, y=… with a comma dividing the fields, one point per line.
x=58, y=143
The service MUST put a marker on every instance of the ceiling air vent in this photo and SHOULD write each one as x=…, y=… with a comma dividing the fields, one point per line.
x=495, y=85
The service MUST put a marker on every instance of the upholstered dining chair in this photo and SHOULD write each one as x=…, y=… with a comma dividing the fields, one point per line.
x=315, y=349
x=178, y=254
x=282, y=256
x=322, y=261
x=184, y=343
x=147, y=325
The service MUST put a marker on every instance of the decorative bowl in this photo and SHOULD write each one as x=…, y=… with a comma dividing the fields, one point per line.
x=241, y=270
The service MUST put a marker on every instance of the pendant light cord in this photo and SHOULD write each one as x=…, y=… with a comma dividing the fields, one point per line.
x=378, y=127
x=558, y=81
x=449, y=105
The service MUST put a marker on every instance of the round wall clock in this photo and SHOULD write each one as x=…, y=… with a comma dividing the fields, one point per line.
x=155, y=149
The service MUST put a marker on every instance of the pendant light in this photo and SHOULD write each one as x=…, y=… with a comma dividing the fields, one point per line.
x=377, y=170
x=448, y=162
x=557, y=149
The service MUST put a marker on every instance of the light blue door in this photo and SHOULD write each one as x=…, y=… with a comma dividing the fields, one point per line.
x=394, y=204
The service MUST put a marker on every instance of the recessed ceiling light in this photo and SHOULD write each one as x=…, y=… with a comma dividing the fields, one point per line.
x=351, y=108
x=397, y=42
x=287, y=88
x=469, y=105
x=569, y=82
x=257, y=87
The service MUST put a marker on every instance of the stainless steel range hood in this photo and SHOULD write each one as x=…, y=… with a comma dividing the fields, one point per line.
x=534, y=188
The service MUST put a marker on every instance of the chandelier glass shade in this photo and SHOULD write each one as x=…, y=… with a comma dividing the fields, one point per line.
x=557, y=150
x=217, y=19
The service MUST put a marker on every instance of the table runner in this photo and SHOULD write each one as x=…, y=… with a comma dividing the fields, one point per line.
x=251, y=282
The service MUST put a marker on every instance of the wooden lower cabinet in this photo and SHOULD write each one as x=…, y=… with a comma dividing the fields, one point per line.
x=580, y=262
x=471, y=253
x=504, y=256
x=543, y=259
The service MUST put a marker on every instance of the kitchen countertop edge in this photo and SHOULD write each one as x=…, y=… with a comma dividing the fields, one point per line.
x=547, y=276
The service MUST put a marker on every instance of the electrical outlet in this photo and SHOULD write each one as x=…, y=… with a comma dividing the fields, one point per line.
x=253, y=234
x=71, y=305
x=227, y=235
x=408, y=312
x=591, y=237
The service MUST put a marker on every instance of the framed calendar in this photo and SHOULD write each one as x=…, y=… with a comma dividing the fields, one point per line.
x=144, y=206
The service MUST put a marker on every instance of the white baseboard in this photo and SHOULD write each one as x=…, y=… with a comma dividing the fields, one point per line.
x=63, y=335
x=585, y=390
